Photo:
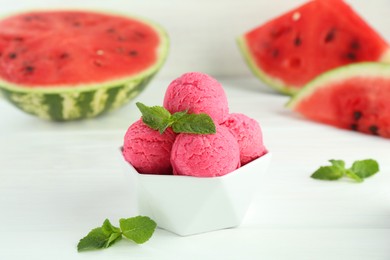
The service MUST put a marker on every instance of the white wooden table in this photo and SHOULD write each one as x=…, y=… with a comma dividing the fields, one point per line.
x=59, y=180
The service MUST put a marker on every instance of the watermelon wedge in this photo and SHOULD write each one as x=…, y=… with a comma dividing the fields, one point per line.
x=65, y=65
x=354, y=97
x=291, y=50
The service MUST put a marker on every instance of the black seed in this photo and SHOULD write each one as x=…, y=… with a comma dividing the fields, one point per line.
x=357, y=115
x=297, y=41
x=330, y=36
x=98, y=63
x=133, y=53
x=64, y=55
x=355, y=45
x=351, y=56
x=29, y=69
x=275, y=53
x=12, y=55
x=373, y=129
x=354, y=127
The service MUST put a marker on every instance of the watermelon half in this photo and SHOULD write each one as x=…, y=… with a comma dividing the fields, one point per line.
x=65, y=65
x=355, y=97
x=291, y=50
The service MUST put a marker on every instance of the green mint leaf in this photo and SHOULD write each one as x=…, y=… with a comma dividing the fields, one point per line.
x=156, y=117
x=101, y=237
x=328, y=173
x=139, y=229
x=365, y=168
x=353, y=176
x=114, y=237
x=108, y=228
x=176, y=116
x=194, y=124
x=338, y=163
x=96, y=239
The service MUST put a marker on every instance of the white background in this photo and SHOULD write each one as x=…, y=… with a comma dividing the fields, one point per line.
x=59, y=180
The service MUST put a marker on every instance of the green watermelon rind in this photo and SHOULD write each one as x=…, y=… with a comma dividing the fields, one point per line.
x=62, y=102
x=362, y=69
x=273, y=82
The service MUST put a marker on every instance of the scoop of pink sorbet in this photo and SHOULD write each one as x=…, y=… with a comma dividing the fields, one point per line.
x=205, y=155
x=197, y=93
x=148, y=150
x=248, y=133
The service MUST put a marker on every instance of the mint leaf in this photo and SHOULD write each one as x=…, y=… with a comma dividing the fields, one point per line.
x=139, y=229
x=365, y=168
x=108, y=228
x=156, y=117
x=101, y=237
x=194, y=124
x=328, y=173
x=95, y=239
x=338, y=163
x=358, y=172
x=353, y=175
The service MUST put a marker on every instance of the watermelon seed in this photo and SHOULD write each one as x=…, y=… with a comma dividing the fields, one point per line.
x=29, y=69
x=133, y=53
x=355, y=45
x=297, y=41
x=12, y=55
x=351, y=56
x=373, y=129
x=64, y=55
x=354, y=127
x=110, y=30
x=18, y=39
x=357, y=115
x=98, y=63
x=330, y=36
x=76, y=24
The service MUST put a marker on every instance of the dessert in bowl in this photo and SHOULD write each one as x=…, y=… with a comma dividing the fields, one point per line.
x=194, y=169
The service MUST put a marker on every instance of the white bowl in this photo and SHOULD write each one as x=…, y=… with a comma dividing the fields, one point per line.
x=190, y=205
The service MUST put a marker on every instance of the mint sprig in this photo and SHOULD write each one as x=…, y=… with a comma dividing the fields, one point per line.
x=138, y=229
x=158, y=118
x=359, y=171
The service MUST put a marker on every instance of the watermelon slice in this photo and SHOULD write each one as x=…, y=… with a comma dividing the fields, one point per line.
x=65, y=65
x=289, y=51
x=354, y=97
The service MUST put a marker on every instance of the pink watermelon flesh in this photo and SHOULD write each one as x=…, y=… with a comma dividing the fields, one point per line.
x=74, y=47
x=316, y=37
x=359, y=104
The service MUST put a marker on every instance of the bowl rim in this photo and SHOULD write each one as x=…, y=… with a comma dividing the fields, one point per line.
x=231, y=174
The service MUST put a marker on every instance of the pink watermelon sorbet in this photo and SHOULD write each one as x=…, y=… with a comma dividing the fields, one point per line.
x=197, y=93
x=205, y=155
x=147, y=150
x=249, y=136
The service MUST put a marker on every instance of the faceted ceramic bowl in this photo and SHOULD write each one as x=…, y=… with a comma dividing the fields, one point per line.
x=190, y=205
